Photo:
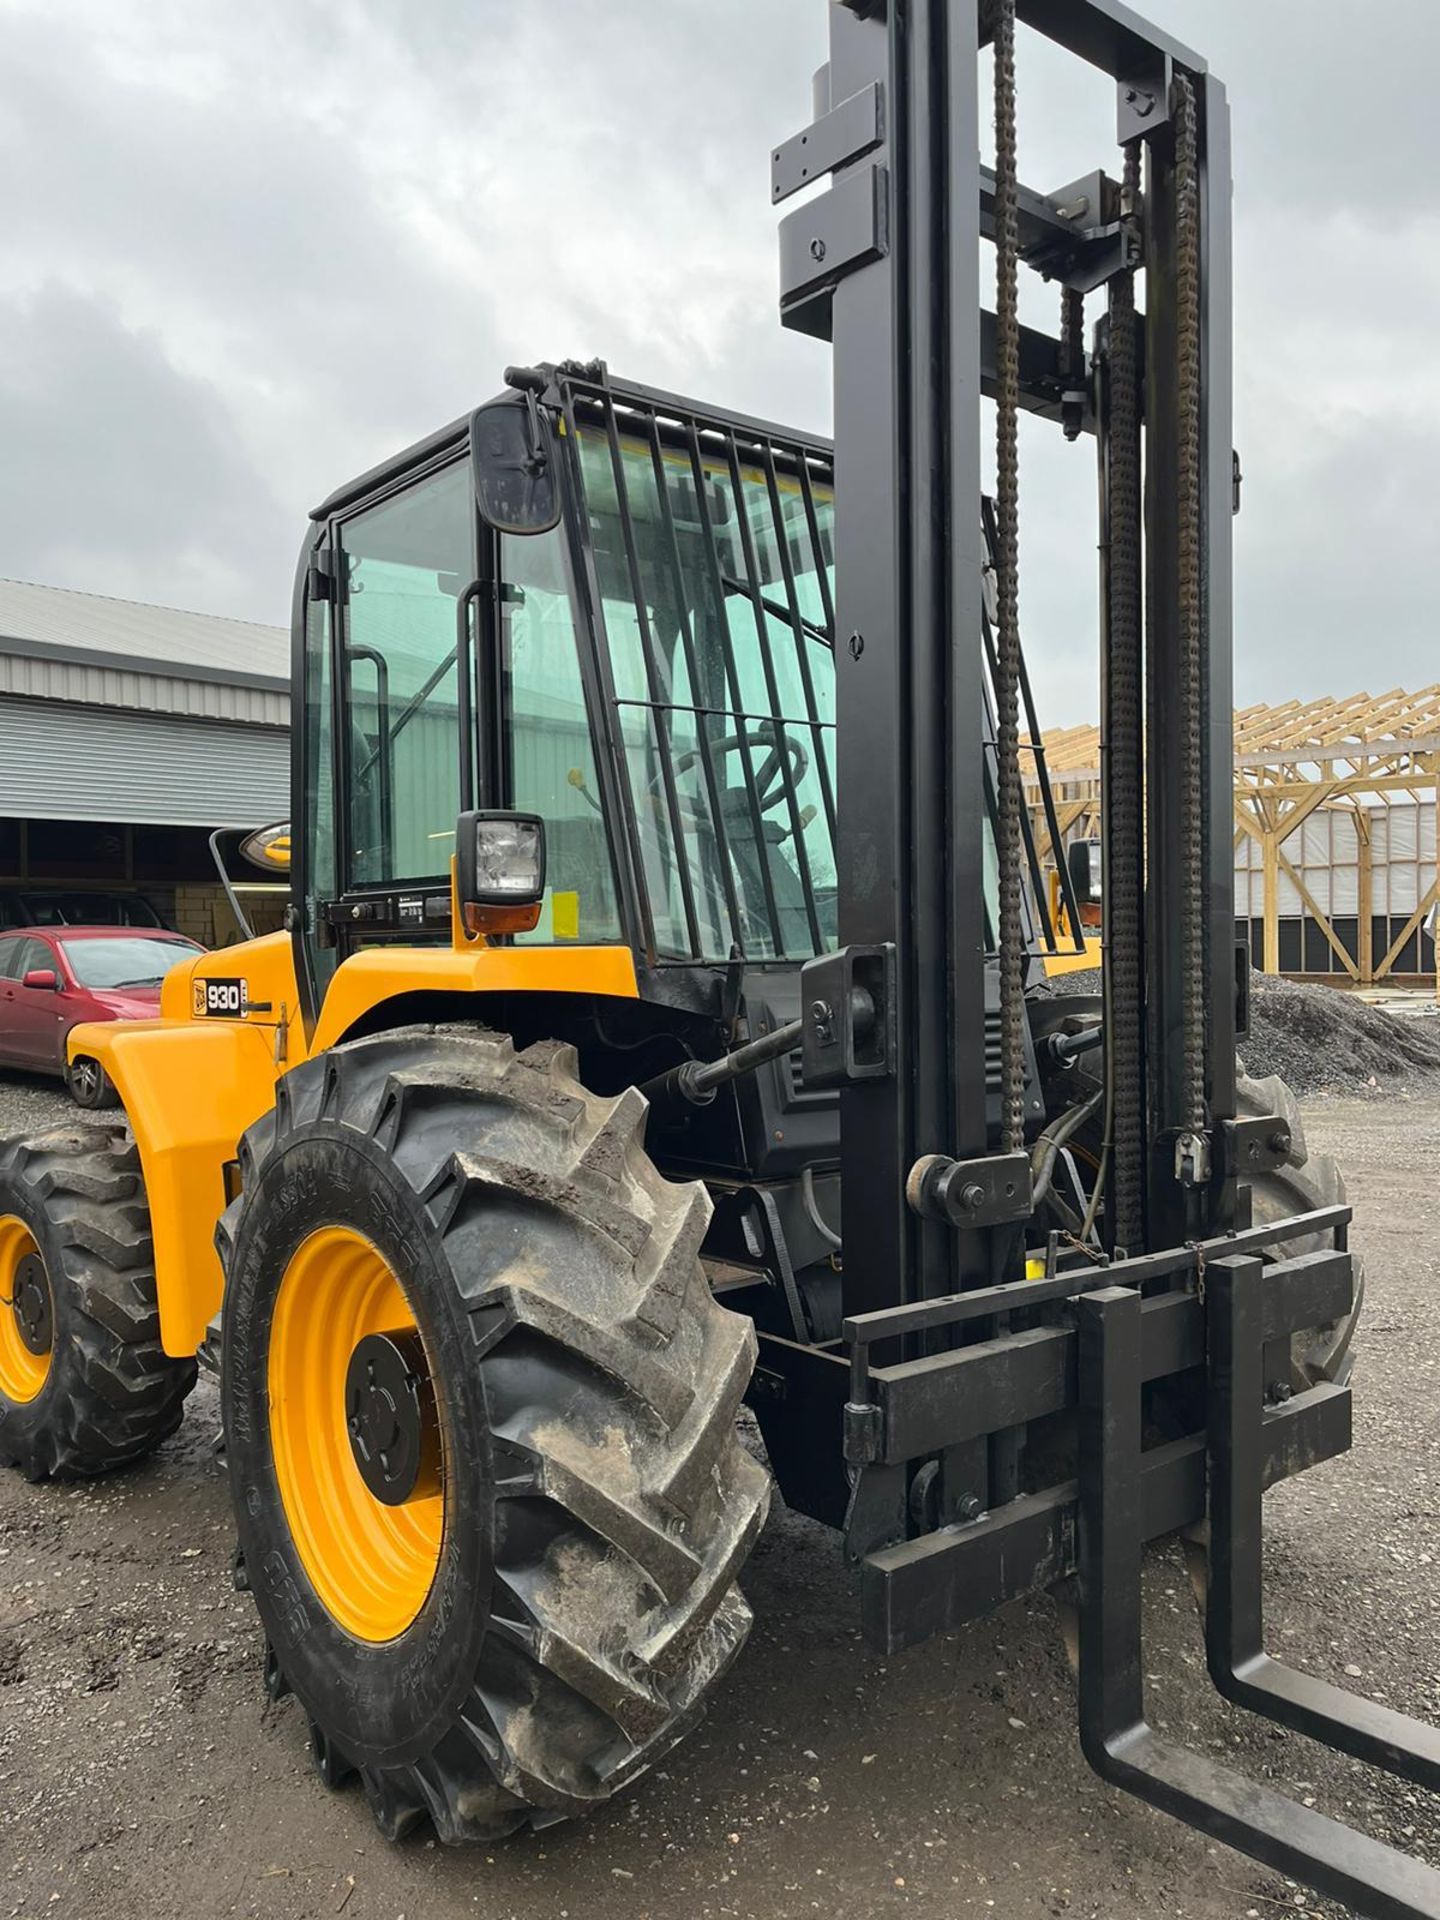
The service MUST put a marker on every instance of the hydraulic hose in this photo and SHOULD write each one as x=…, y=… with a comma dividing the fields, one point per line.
x=1047, y=1148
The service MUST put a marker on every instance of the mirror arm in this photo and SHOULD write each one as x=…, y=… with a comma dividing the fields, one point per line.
x=241, y=918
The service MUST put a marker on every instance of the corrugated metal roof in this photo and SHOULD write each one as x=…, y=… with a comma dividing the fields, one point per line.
x=90, y=763
x=88, y=628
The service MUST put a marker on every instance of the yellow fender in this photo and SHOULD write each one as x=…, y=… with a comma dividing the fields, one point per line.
x=189, y=1092
x=192, y=1081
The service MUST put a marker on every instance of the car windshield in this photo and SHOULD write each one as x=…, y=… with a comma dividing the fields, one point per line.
x=121, y=962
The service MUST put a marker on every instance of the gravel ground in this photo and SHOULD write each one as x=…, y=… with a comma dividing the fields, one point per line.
x=142, y=1772
x=29, y=1102
x=1324, y=1040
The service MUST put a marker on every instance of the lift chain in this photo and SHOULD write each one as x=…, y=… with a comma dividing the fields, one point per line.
x=1072, y=334
x=1191, y=592
x=1072, y=361
x=1007, y=582
x=1125, y=755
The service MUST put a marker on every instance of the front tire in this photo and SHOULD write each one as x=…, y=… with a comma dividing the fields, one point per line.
x=1306, y=1183
x=559, y=1589
x=85, y=1385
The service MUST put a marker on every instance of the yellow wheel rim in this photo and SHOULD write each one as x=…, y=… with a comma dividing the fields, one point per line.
x=23, y=1372
x=371, y=1564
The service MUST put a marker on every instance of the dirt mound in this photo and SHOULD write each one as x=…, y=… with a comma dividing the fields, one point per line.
x=1324, y=1040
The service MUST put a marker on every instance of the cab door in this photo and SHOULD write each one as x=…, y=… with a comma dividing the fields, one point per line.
x=402, y=717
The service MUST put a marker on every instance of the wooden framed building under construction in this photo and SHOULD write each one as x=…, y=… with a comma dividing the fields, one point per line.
x=1336, y=873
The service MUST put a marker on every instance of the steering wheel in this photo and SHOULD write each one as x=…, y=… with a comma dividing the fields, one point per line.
x=771, y=787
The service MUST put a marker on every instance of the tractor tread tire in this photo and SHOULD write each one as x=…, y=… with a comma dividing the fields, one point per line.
x=1307, y=1182
x=113, y=1393
x=624, y=1504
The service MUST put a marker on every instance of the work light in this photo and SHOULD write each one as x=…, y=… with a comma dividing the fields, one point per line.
x=500, y=871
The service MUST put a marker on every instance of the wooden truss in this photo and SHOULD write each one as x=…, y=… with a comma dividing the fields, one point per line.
x=1291, y=760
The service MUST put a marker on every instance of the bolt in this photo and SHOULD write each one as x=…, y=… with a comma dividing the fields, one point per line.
x=820, y=1010
x=973, y=1197
x=817, y=249
x=1280, y=1392
x=1280, y=1141
x=969, y=1509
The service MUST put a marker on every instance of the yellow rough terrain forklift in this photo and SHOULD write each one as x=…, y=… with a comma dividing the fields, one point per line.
x=662, y=1023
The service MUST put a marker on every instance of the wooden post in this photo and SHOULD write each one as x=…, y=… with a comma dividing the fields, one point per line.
x=1365, y=931
x=1270, y=848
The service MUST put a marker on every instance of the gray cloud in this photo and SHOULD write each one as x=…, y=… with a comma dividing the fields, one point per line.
x=120, y=472
x=251, y=251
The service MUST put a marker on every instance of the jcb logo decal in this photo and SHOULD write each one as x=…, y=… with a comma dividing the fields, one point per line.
x=221, y=999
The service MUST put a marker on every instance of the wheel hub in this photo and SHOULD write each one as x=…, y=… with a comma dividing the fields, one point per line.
x=391, y=1420
x=31, y=1305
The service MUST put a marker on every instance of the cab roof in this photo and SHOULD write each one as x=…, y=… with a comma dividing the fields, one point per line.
x=594, y=377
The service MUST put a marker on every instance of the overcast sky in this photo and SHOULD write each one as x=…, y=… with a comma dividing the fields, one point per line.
x=248, y=251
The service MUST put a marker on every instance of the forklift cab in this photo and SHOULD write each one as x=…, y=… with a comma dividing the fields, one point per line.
x=652, y=673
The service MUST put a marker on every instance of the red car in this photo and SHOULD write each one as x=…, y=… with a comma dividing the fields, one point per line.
x=51, y=979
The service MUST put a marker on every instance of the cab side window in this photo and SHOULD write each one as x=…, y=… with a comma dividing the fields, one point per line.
x=404, y=565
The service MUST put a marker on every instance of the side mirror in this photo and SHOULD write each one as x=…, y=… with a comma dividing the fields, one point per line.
x=1083, y=858
x=500, y=871
x=42, y=980
x=269, y=848
x=516, y=471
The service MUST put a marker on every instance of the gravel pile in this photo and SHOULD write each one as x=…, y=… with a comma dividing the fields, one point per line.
x=1323, y=1040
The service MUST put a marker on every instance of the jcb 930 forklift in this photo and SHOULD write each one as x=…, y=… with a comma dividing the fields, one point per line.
x=662, y=1024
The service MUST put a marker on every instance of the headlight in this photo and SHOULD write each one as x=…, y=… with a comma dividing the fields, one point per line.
x=500, y=871
x=1086, y=873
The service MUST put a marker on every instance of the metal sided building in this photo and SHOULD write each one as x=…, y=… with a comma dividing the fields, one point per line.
x=129, y=733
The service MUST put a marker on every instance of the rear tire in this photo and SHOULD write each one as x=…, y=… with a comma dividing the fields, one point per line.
x=1307, y=1182
x=75, y=1232
x=597, y=1503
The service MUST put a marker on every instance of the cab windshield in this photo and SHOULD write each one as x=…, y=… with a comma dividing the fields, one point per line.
x=714, y=561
